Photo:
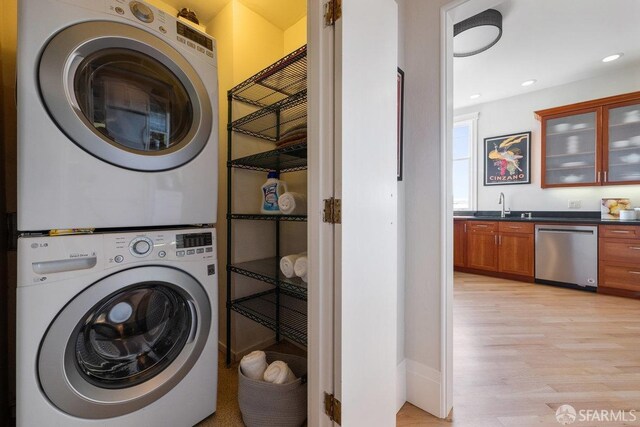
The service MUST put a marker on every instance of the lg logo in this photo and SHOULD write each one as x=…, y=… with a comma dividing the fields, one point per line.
x=39, y=245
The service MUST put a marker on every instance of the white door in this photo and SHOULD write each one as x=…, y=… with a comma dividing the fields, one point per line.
x=353, y=158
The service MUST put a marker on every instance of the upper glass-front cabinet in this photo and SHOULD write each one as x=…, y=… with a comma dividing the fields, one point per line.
x=622, y=143
x=592, y=143
x=570, y=149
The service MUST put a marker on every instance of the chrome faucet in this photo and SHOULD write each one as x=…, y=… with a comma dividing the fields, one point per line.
x=504, y=212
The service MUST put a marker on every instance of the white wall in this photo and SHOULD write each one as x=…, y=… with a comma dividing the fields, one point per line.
x=423, y=251
x=515, y=114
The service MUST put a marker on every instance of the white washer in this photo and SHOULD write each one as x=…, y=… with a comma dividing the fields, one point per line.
x=117, y=117
x=117, y=329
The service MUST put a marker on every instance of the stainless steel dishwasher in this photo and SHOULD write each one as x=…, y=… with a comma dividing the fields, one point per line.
x=567, y=255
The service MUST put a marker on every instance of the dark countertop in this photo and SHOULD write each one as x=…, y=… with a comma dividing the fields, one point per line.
x=543, y=217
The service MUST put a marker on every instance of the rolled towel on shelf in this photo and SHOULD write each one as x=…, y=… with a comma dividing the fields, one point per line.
x=292, y=203
x=279, y=373
x=254, y=365
x=287, y=263
x=300, y=267
x=305, y=278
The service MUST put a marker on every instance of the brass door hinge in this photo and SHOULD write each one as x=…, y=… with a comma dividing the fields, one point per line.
x=333, y=408
x=332, y=211
x=332, y=12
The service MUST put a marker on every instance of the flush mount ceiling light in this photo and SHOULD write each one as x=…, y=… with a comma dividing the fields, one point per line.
x=612, y=57
x=477, y=34
x=475, y=96
x=529, y=82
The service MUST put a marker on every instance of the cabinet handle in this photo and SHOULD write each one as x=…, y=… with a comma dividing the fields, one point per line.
x=598, y=177
x=635, y=248
x=605, y=176
x=634, y=272
x=516, y=228
x=620, y=231
x=481, y=226
x=465, y=227
x=499, y=240
x=495, y=238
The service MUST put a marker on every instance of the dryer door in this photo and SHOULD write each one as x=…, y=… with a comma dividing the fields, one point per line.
x=124, y=342
x=125, y=96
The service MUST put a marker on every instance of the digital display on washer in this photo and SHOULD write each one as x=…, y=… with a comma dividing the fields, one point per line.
x=193, y=35
x=193, y=240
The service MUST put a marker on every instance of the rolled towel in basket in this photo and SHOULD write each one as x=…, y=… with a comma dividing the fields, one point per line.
x=254, y=364
x=279, y=373
x=292, y=203
x=300, y=267
x=287, y=263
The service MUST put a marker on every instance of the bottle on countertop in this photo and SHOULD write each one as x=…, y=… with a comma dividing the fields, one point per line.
x=271, y=191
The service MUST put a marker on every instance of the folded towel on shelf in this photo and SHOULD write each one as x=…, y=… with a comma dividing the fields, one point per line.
x=279, y=373
x=254, y=365
x=300, y=267
x=287, y=263
x=300, y=127
x=292, y=203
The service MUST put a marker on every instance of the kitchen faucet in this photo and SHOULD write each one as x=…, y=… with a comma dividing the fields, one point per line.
x=504, y=212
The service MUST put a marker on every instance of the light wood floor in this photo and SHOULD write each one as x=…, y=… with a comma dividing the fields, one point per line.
x=521, y=350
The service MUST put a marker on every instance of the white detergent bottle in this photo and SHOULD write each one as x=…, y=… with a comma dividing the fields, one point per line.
x=271, y=191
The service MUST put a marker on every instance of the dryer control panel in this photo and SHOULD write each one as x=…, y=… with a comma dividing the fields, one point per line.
x=188, y=38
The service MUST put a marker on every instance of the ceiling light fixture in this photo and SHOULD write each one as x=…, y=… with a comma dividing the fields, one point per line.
x=529, y=82
x=477, y=34
x=612, y=57
x=475, y=96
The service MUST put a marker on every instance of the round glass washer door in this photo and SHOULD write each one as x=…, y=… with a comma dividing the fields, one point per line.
x=125, y=96
x=124, y=342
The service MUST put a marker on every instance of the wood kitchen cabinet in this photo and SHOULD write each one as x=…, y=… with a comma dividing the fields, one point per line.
x=619, y=260
x=516, y=249
x=482, y=245
x=459, y=243
x=591, y=143
x=497, y=248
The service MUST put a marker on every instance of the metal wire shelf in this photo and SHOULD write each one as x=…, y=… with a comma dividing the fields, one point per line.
x=262, y=308
x=266, y=217
x=267, y=270
x=285, y=159
x=278, y=81
x=273, y=121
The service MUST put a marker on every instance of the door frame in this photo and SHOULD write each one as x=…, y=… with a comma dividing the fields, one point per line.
x=320, y=236
x=450, y=13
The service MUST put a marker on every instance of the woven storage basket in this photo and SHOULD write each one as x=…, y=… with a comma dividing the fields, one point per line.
x=265, y=404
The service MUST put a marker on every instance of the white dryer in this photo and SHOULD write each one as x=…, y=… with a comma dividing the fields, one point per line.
x=117, y=329
x=117, y=117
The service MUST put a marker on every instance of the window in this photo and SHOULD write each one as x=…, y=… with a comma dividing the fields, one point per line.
x=464, y=162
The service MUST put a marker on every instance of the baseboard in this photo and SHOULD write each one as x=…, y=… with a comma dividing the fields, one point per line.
x=401, y=384
x=423, y=387
x=237, y=355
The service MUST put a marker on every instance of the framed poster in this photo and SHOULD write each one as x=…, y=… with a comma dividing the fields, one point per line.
x=507, y=159
x=400, y=112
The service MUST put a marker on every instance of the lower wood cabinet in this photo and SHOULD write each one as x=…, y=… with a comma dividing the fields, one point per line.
x=619, y=256
x=495, y=247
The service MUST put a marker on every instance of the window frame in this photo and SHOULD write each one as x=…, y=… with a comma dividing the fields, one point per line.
x=470, y=119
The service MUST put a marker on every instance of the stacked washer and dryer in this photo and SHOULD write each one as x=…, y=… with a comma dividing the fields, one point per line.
x=117, y=122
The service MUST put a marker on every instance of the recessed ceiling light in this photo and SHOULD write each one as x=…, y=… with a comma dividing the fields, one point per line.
x=475, y=96
x=612, y=57
x=529, y=82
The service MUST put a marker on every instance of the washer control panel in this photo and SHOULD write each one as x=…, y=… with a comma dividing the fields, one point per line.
x=141, y=246
x=160, y=245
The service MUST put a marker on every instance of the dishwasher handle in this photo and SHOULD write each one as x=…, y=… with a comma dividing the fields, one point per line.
x=563, y=231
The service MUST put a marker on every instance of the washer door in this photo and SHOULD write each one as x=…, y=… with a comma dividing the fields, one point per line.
x=124, y=342
x=125, y=96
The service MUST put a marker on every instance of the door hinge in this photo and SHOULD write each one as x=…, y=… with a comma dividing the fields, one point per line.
x=332, y=211
x=332, y=12
x=333, y=408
